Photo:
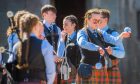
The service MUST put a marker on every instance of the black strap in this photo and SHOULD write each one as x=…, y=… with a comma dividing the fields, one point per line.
x=52, y=35
x=92, y=38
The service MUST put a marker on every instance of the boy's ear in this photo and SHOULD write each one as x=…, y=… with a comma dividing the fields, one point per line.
x=43, y=15
x=74, y=24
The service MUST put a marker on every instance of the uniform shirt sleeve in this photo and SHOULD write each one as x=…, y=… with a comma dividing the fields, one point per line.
x=12, y=56
x=118, y=51
x=59, y=33
x=61, y=48
x=12, y=39
x=47, y=51
x=109, y=38
x=83, y=42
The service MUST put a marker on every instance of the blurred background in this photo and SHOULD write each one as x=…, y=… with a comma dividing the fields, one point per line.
x=123, y=13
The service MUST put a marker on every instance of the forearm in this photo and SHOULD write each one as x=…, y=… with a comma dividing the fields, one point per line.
x=88, y=45
x=82, y=40
x=111, y=39
x=61, y=47
x=59, y=33
x=118, y=50
x=118, y=53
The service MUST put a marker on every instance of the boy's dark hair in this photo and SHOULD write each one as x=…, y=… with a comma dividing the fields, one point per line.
x=47, y=8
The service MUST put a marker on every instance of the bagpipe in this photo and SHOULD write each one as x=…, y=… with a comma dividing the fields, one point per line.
x=5, y=75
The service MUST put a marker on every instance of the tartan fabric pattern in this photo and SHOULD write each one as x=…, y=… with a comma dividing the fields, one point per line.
x=98, y=77
x=114, y=73
x=102, y=76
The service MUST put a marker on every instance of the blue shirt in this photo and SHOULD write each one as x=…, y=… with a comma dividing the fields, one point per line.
x=12, y=39
x=82, y=40
x=47, y=51
x=61, y=45
x=117, y=51
x=48, y=25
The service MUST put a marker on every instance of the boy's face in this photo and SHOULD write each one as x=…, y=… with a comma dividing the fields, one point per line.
x=49, y=16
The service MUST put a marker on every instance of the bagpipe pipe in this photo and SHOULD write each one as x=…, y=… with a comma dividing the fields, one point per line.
x=65, y=68
x=12, y=23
